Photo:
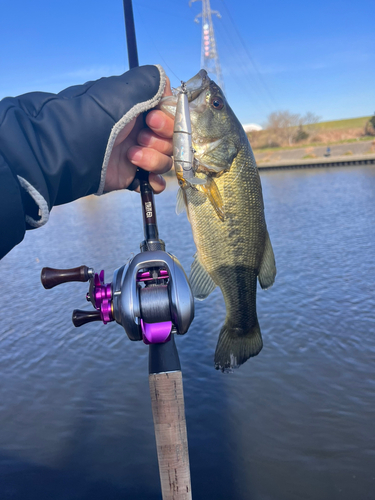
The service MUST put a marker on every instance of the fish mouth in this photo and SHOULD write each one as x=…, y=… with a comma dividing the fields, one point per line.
x=195, y=85
x=193, y=88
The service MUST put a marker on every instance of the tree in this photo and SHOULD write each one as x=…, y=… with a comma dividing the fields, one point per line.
x=370, y=126
x=282, y=124
x=289, y=127
x=309, y=121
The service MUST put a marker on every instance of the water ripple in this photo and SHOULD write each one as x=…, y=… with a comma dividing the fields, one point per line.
x=294, y=422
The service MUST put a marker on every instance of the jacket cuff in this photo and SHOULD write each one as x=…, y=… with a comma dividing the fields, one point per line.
x=42, y=215
x=135, y=111
x=12, y=219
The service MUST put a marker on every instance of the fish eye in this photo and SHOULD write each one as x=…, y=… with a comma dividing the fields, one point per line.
x=217, y=103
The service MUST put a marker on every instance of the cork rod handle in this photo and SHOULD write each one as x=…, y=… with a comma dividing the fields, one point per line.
x=168, y=409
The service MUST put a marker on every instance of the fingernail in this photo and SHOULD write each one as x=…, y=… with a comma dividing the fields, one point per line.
x=135, y=154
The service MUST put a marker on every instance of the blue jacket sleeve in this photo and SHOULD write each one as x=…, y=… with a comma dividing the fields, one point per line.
x=54, y=148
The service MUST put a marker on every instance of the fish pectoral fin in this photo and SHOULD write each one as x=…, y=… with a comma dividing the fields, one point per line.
x=210, y=189
x=200, y=281
x=180, y=203
x=267, y=270
x=211, y=156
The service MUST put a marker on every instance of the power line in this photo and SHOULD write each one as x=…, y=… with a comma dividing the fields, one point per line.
x=258, y=73
x=252, y=85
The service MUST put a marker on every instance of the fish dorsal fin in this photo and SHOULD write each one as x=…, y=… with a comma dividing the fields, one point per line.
x=200, y=281
x=210, y=189
x=180, y=203
x=267, y=271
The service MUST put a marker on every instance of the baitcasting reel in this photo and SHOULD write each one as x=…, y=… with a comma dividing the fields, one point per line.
x=149, y=296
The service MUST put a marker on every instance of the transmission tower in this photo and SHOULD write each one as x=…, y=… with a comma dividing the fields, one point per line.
x=209, y=56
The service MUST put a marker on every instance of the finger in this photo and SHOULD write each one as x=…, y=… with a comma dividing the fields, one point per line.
x=150, y=159
x=118, y=175
x=167, y=88
x=149, y=139
x=157, y=183
x=160, y=123
x=123, y=134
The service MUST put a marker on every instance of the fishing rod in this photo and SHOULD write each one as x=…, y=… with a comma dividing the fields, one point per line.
x=150, y=297
x=165, y=377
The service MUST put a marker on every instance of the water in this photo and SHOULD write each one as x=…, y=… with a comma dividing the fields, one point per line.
x=296, y=422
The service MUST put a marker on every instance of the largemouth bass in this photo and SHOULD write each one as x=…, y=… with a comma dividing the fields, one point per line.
x=225, y=208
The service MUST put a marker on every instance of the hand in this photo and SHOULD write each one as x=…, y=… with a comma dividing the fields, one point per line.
x=147, y=147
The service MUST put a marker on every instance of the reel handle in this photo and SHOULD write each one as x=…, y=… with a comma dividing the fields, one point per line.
x=80, y=318
x=52, y=277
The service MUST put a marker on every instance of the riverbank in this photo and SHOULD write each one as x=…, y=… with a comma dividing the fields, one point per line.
x=319, y=153
x=345, y=137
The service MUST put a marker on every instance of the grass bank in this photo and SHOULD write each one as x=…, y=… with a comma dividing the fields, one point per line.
x=349, y=123
x=319, y=134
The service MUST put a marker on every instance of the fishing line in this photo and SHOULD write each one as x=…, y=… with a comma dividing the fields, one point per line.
x=251, y=84
x=153, y=43
x=170, y=69
x=244, y=68
x=161, y=11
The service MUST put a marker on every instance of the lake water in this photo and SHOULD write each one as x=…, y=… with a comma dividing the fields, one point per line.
x=296, y=422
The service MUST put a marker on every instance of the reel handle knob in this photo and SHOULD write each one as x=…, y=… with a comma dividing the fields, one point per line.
x=52, y=277
x=80, y=318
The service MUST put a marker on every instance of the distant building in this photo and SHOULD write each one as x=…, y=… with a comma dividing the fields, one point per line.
x=249, y=127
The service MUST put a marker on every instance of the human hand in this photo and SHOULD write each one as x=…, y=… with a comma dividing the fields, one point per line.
x=148, y=147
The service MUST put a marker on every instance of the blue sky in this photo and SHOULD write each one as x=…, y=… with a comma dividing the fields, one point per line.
x=297, y=56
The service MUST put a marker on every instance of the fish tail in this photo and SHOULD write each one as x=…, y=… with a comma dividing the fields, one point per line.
x=235, y=346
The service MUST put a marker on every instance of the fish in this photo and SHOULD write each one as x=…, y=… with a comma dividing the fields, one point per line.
x=224, y=205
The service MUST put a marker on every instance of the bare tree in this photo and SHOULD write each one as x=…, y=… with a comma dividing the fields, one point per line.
x=309, y=120
x=282, y=124
x=288, y=126
x=370, y=126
